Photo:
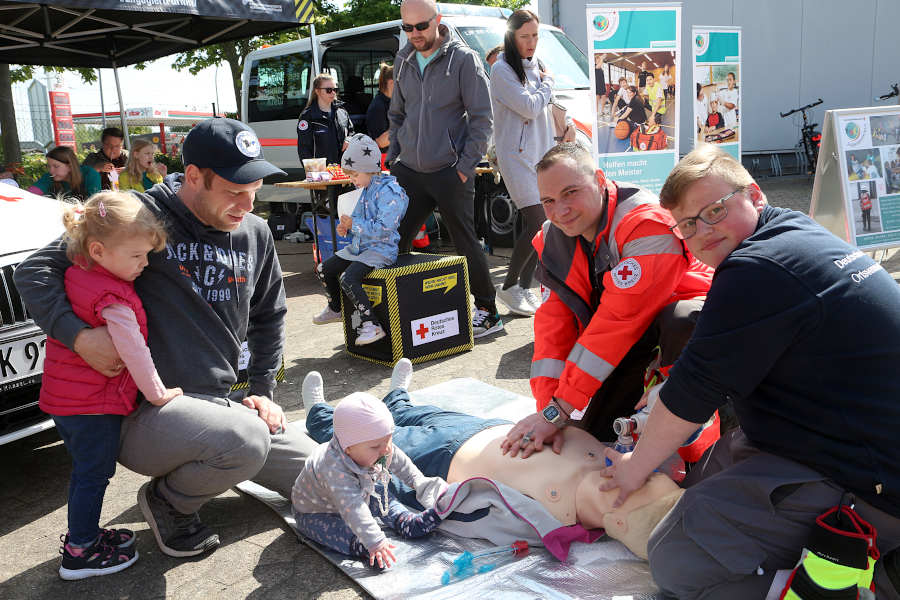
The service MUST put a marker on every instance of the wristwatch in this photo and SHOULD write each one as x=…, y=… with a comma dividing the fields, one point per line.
x=555, y=416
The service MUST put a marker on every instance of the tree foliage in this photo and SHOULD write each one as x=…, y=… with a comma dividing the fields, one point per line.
x=328, y=18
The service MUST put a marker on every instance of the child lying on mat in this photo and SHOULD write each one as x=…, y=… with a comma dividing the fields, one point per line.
x=342, y=492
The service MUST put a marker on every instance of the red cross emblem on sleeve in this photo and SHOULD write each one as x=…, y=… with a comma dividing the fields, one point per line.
x=626, y=274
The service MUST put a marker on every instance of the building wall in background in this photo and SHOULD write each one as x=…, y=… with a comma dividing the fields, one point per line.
x=794, y=52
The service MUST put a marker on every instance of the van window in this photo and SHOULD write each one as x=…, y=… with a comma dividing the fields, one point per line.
x=278, y=87
x=357, y=74
x=559, y=53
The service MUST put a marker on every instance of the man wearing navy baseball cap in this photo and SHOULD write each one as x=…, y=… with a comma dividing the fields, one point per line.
x=215, y=288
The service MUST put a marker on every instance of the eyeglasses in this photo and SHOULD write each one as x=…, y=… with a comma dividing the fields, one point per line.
x=328, y=90
x=418, y=26
x=712, y=213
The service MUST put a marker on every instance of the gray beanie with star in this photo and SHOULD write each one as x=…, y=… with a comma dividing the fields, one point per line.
x=362, y=154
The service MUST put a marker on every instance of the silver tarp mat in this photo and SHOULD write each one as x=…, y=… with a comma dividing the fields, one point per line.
x=604, y=570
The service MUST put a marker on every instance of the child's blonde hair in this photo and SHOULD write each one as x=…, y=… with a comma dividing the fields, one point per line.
x=132, y=165
x=107, y=215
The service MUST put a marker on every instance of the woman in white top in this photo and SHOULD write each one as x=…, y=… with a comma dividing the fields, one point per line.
x=523, y=132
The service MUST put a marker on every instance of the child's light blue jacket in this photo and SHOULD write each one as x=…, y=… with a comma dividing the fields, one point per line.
x=376, y=218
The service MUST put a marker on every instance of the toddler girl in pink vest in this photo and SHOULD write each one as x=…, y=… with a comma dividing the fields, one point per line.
x=108, y=239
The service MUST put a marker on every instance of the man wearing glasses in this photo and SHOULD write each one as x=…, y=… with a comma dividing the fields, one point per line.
x=440, y=122
x=801, y=332
x=624, y=295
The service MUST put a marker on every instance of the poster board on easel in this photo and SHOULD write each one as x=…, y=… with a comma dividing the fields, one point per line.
x=856, y=193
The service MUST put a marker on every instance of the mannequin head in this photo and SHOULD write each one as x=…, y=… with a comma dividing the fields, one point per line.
x=632, y=522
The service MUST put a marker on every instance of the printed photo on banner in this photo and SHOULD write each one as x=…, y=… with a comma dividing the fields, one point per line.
x=635, y=54
x=635, y=92
x=866, y=207
x=717, y=112
x=885, y=130
x=864, y=164
x=891, y=157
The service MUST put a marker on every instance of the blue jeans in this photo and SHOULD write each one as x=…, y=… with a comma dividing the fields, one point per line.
x=93, y=443
x=430, y=436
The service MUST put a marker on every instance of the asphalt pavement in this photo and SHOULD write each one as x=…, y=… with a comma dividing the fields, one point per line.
x=259, y=557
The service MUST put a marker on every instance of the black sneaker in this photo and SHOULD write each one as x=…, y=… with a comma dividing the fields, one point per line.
x=97, y=559
x=117, y=538
x=485, y=322
x=176, y=533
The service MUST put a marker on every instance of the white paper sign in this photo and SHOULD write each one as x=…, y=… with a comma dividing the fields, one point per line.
x=435, y=327
x=347, y=202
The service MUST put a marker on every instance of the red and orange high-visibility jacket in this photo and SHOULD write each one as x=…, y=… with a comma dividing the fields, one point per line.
x=604, y=295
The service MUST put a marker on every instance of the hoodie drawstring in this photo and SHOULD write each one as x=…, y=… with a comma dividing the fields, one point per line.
x=234, y=275
x=449, y=62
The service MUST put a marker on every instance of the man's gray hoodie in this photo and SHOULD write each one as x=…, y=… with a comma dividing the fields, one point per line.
x=440, y=118
x=205, y=293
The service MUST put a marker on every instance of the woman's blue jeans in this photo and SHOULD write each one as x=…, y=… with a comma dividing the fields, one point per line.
x=430, y=436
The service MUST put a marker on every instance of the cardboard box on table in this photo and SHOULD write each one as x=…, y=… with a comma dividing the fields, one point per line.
x=422, y=302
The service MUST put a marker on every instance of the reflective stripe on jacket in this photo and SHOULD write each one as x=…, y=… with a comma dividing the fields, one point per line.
x=604, y=295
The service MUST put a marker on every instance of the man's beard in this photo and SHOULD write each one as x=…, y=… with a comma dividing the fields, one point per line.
x=430, y=44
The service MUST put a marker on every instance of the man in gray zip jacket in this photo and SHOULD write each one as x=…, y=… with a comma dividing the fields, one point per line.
x=440, y=123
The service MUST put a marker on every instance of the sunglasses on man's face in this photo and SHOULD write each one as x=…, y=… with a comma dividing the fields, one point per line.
x=418, y=26
x=328, y=90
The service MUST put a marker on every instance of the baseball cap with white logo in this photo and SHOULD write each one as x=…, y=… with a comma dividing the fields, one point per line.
x=228, y=147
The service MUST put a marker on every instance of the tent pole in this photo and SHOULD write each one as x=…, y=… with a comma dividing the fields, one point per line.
x=315, y=51
x=102, y=106
x=162, y=136
x=122, y=110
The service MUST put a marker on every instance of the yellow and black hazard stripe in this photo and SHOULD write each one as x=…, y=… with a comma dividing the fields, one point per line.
x=305, y=10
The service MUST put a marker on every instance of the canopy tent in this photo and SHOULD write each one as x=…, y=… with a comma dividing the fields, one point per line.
x=116, y=33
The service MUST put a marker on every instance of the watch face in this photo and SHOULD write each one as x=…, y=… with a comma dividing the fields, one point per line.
x=551, y=413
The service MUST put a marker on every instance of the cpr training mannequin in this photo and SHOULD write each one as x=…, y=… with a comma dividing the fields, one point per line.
x=457, y=446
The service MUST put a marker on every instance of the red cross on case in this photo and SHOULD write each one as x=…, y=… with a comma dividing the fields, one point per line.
x=422, y=330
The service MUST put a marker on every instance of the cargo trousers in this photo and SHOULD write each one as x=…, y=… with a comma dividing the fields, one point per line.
x=745, y=515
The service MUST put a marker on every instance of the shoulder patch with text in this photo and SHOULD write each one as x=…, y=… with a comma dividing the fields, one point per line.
x=626, y=274
x=302, y=125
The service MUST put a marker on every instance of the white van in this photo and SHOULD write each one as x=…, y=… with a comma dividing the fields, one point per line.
x=276, y=83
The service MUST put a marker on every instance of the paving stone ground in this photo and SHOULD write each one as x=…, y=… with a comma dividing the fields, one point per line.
x=259, y=557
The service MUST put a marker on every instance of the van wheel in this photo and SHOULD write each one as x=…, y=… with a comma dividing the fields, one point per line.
x=503, y=215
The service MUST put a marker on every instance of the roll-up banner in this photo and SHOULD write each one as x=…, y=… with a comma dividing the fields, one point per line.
x=717, y=87
x=636, y=51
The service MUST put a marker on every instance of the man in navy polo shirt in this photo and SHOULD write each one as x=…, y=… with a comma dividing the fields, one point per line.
x=801, y=333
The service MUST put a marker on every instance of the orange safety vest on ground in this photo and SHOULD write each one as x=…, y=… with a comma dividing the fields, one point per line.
x=604, y=295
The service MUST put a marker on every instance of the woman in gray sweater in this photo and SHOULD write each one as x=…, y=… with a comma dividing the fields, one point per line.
x=521, y=92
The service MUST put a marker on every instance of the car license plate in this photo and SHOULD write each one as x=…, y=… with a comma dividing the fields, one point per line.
x=22, y=358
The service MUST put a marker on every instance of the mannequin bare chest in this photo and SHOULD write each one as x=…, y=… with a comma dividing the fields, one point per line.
x=549, y=478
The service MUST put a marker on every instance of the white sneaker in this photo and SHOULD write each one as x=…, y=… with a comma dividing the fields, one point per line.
x=327, y=316
x=401, y=377
x=369, y=332
x=533, y=299
x=313, y=389
x=515, y=300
